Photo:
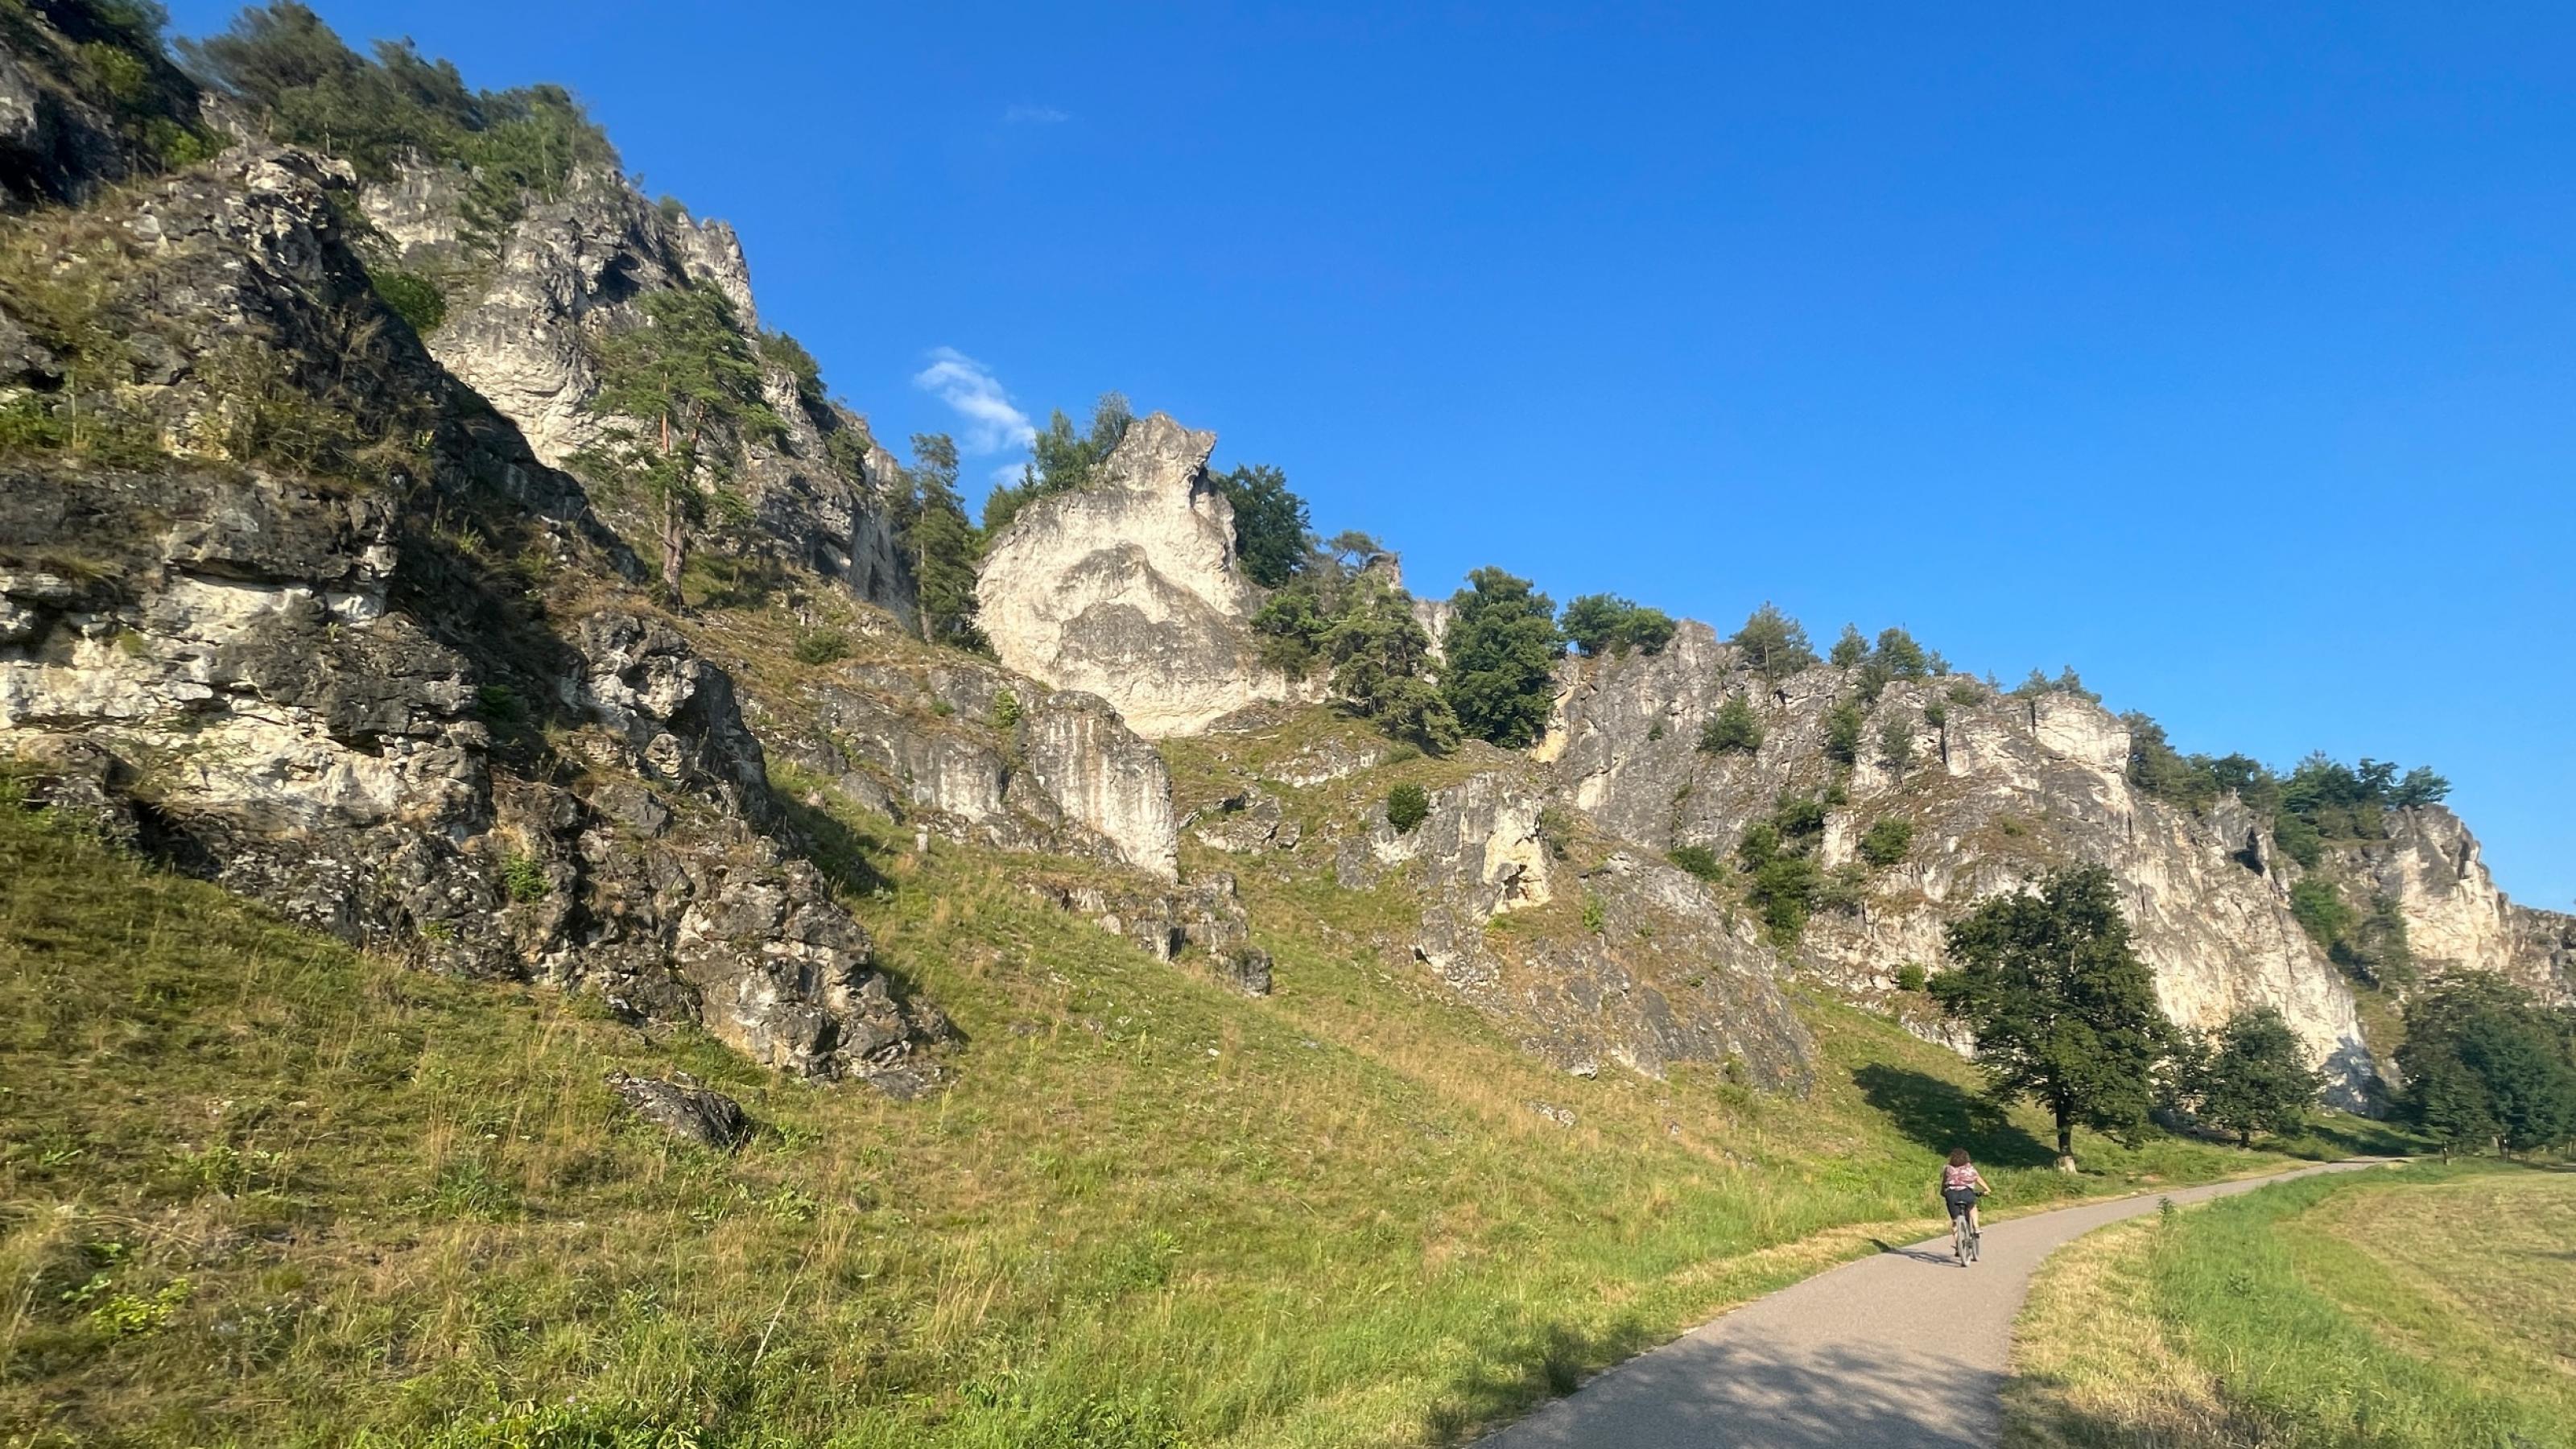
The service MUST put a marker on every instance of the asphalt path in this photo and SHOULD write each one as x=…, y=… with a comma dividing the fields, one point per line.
x=1905, y=1350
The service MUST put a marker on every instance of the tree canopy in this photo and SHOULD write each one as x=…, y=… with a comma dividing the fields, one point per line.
x=1775, y=645
x=939, y=545
x=1060, y=460
x=1498, y=659
x=2254, y=1077
x=1608, y=624
x=1271, y=536
x=2485, y=1064
x=2063, y=1009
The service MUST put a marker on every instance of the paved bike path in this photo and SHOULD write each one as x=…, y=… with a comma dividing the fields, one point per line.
x=1904, y=1350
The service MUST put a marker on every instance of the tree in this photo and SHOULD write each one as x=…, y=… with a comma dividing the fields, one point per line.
x=1843, y=725
x=2257, y=1079
x=1774, y=645
x=1378, y=652
x=2485, y=1063
x=1060, y=460
x=939, y=545
x=1271, y=537
x=2062, y=1009
x=689, y=376
x=1733, y=729
x=1849, y=649
x=1407, y=805
x=1605, y=623
x=1498, y=659
x=1896, y=745
x=1901, y=656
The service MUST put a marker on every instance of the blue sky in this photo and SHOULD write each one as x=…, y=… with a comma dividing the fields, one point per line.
x=2223, y=352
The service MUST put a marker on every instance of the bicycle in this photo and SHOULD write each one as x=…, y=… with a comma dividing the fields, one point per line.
x=1963, y=1238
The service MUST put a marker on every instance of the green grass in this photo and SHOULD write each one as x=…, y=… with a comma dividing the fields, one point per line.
x=255, y=1189
x=2425, y=1306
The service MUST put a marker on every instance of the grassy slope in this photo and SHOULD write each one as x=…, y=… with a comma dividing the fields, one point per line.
x=2426, y=1307
x=1149, y=1212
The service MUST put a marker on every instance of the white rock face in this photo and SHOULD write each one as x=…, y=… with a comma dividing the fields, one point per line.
x=2456, y=919
x=1998, y=793
x=1129, y=590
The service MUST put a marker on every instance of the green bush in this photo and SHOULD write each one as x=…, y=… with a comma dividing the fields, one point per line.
x=1733, y=729
x=414, y=298
x=822, y=646
x=1407, y=805
x=1006, y=710
x=1911, y=976
x=1886, y=842
x=1595, y=919
x=524, y=876
x=1699, y=860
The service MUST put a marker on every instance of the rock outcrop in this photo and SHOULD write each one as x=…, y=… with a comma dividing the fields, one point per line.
x=574, y=269
x=1128, y=589
x=1650, y=974
x=294, y=663
x=2456, y=919
x=2000, y=789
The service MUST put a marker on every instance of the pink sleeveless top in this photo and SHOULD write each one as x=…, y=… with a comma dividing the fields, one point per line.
x=1958, y=1177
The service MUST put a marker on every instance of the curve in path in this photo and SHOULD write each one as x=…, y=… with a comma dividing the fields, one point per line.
x=1905, y=1350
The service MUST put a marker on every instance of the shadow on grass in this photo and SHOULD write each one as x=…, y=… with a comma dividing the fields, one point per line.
x=1941, y=1115
x=1530, y=1366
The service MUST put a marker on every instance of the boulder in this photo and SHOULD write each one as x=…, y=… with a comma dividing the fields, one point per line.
x=685, y=1109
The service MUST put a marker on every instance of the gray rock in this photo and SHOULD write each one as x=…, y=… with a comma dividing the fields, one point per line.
x=685, y=1109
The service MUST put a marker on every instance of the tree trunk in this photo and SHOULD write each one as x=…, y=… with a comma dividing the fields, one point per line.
x=2065, y=1141
x=674, y=546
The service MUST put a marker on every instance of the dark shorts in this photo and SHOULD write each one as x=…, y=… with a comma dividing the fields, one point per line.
x=1960, y=1200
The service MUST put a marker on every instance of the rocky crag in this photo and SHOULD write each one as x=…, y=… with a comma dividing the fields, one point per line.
x=1130, y=589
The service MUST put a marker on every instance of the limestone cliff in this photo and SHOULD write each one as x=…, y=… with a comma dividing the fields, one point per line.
x=1128, y=589
x=2001, y=789
x=521, y=327
x=281, y=618
x=2455, y=917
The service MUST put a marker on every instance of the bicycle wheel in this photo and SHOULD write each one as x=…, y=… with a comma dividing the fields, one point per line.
x=1974, y=1237
x=1959, y=1239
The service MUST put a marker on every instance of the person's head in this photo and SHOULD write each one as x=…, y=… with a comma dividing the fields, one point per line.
x=1958, y=1157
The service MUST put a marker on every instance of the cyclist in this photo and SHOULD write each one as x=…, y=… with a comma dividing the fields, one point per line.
x=1961, y=1186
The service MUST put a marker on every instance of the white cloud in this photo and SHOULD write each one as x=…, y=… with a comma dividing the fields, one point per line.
x=1034, y=116
x=993, y=422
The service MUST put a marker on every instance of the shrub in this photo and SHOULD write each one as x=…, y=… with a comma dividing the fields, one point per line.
x=1595, y=919
x=1407, y=806
x=1006, y=710
x=499, y=704
x=1784, y=894
x=414, y=298
x=822, y=646
x=1733, y=729
x=524, y=876
x=1555, y=829
x=1699, y=860
x=1910, y=976
x=1887, y=842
